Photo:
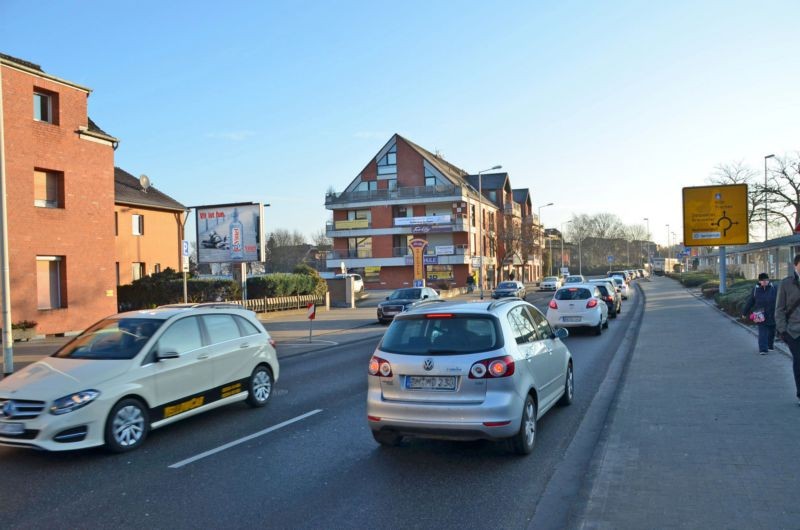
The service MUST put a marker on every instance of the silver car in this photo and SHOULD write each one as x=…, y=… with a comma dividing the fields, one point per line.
x=468, y=371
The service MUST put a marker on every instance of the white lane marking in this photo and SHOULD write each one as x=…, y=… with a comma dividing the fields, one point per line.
x=307, y=343
x=242, y=440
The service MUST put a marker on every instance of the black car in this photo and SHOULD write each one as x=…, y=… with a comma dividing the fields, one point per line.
x=611, y=297
x=403, y=299
x=510, y=288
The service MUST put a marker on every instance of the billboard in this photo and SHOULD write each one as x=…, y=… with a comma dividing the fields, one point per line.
x=715, y=215
x=229, y=233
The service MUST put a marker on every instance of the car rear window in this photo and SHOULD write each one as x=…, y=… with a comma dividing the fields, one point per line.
x=446, y=334
x=573, y=293
x=603, y=289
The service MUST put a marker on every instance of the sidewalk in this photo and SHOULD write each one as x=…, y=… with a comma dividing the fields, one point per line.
x=704, y=432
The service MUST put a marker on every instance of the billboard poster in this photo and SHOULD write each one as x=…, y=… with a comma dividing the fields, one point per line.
x=229, y=233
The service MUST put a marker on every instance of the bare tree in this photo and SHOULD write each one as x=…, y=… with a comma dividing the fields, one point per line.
x=740, y=173
x=783, y=193
x=321, y=240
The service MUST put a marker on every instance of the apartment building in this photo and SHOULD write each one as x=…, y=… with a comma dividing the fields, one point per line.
x=59, y=173
x=148, y=226
x=405, y=193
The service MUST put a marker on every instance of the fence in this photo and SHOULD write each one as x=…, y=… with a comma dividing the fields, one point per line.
x=283, y=303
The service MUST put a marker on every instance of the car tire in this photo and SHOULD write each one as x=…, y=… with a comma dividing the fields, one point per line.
x=259, y=387
x=523, y=442
x=126, y=426
x=598, y=329
x=569, y=388
x=612, y=315
x=605, y=324
x=387, y=438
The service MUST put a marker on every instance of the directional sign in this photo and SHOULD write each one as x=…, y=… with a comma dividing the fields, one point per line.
x=715, y=215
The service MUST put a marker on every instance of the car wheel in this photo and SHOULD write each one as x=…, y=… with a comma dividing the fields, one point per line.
x=598, y=329
x=569, y=388
x=613, y=313
x=387, y=438
x=126, y=426
x=605, y=324
x=522, y=443
x=259, y=388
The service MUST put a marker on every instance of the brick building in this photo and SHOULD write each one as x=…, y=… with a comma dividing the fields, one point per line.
x=59, y=172
x=407, y=192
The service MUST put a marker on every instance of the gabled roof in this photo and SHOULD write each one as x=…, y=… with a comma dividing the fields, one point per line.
x=445, y=167
x=127, y=190
x=522, y=196
x=489, y=181
x=35, y=69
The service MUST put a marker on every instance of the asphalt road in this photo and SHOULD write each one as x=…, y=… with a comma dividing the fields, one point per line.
x=310, y=461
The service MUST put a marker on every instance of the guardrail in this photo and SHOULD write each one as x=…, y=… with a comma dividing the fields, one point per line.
x=283, y=303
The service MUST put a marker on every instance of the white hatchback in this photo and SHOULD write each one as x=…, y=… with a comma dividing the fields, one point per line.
x=578, y=305
x=137, y=371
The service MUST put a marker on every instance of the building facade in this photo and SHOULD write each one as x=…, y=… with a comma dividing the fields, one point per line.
x=59, y=173
x=405, y=193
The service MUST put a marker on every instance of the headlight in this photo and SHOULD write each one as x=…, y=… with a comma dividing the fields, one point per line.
x=73, y=401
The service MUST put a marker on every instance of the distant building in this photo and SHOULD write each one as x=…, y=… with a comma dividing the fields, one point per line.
x=406, y=192
x=149, y=229
x=59, y=171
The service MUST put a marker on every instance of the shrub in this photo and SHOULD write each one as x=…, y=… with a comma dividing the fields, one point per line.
x=735, y=297
x=24, y=324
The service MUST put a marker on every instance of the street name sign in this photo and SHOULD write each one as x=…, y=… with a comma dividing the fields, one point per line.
x=715, y=215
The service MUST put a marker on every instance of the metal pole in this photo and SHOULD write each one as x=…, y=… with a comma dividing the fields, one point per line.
x=766, y=223
x=580, y=258
x=480, y=232
x=183, y=238
x=723, y=273
x=8, y=341
x=550, y=241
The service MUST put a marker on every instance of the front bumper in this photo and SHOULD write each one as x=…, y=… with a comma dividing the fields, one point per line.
x=75, y=430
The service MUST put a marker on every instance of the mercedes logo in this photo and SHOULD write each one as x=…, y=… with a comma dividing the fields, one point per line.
x=9, y=409
x=428, y=365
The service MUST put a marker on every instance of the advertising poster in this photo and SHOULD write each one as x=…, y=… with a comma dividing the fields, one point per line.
x=229, y=233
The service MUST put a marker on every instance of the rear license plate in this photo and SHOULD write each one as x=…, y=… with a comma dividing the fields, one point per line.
x=430, y=382
x=12, y=428
x=570, y=319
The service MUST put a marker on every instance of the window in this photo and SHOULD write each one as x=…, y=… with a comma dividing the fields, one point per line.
x=542, y=326
x=138, y=224
x=430, y=178
x=352, y=215
x=43, y=106
x=522, y=325
x=367, y=185
x=116, y=223
x=221, y=328
x=246, y=327
x=48, y=189
x=137, y=270
x=117, y=269
x=392, y=184
x=50, y=282
x=472, y=215
x=387, y=165
x=181, y=337
x=359, y=247
x=157, y=268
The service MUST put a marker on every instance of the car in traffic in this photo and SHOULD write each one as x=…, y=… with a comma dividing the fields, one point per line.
x=578, y=305
x=622, y=274
x=550, y=283
x=402, y=299
x=610, y=294
x=622, y=285
x=509, y=288
x=358, y=281
x=136, y=371
x=574, y=278
x=468, y=371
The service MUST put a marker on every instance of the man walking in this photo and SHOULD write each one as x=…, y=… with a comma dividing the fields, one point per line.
x=762, y=300
x=787, y=318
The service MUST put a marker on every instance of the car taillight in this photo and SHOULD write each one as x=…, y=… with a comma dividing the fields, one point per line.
x=610, y=298
x=552, y=304
x=591, y=303
x=493, y=368
x=379, y=367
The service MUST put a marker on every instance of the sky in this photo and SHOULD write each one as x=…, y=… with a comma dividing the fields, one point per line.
x=597, y=107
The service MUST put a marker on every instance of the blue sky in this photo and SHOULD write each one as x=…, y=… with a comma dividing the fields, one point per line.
x=594, y=106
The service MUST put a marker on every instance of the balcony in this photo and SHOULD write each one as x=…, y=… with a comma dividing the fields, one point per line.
x=348, y=254
x=512, y=209
x=418, y=192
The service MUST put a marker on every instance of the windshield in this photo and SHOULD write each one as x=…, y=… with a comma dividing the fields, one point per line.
x=406, y=294
x=507, y=285
x=443, y=335
x=574, y=279
x=550, y=279
x=573, y=293
x=111, y=338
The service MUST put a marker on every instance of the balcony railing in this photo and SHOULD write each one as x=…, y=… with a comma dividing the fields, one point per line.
x=512, y=209
x=417, y=192
x=343, y=254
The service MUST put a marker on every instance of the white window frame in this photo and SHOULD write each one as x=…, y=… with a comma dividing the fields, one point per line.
x=39, y=97
x=137, y=224
x=54, y=282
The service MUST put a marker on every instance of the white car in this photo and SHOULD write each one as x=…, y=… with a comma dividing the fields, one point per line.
x=550, y=283
x=358, y=281
x=137, y=371
x=622, y=286
x=574, y=278
x=578, y=305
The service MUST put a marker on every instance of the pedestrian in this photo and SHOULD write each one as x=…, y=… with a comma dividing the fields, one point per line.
x=470, y=283
x=787, y=318
x=762, y=302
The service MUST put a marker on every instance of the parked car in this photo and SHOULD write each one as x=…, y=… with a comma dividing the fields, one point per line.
x=622, y=285
x=136, y=371
x=610, y=294
x=622, y=274
x=574, y=278
x=403, y=299
x=358, y=282
x=550, y=283
x=467, y=371
x=578, y=305
x=510, y=288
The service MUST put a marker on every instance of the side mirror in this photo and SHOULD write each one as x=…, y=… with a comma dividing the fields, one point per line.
x=424, y=297
x=387, y=297
x=561, y=333
x=166, y=354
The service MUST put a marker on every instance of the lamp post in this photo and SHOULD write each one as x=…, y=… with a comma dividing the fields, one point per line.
x=541, y=224
x=480, y=223
x=562, y=244
x=766, y=223
x=648, y=240
x=666, y=254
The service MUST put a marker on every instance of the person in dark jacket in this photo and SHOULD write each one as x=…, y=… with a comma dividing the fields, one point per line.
x=787, y=318
x=762, y=299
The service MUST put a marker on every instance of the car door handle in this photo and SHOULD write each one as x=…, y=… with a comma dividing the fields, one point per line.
x=203, y=356
x=245, y=345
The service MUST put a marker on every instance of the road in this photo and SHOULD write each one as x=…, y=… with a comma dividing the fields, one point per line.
x=309, y=461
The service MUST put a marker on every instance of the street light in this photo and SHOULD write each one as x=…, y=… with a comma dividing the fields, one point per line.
x=766, y=224
x=541, y=224
x=562, y=243
x=480, y=223
x=649, y=259
x=666, y=254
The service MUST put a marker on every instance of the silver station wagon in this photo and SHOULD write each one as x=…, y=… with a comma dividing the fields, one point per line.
x=468, y=371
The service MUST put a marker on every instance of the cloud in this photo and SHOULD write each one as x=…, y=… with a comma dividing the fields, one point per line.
x=232, y=136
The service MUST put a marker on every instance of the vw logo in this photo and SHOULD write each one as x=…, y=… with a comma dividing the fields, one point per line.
x=9, y=409
x=428, y=365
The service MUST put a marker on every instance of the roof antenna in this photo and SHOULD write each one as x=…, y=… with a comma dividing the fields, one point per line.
x=144, y=182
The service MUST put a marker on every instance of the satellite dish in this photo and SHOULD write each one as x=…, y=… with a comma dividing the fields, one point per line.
x=144, y=181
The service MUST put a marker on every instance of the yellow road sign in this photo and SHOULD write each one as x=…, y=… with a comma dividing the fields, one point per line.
x=715, y=215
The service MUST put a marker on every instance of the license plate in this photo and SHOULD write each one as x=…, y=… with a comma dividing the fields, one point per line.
x=570, y=319
x=12, y=428
x=430, y=382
